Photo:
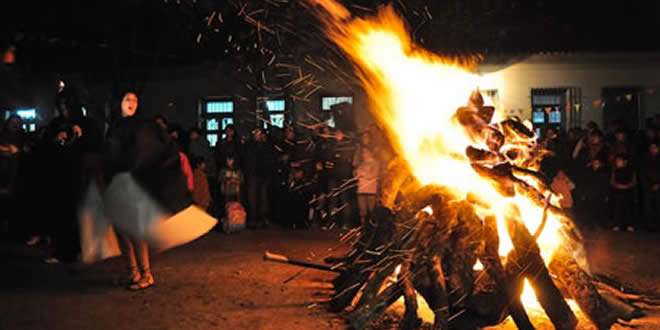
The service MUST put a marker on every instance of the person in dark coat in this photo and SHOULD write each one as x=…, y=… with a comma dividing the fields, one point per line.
x=145, y=150
x=68, y=139
x=649, y=177
x=12, y=139
x=259, y=164
x=341, y=183
x=593, y=195
x=623, y=180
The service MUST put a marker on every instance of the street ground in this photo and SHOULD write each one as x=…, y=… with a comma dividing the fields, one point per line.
x=221, y=282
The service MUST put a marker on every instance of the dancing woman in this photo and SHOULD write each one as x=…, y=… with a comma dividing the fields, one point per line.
x=145, y=151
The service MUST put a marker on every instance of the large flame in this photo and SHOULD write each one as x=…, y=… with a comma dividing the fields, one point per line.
x=415, y=94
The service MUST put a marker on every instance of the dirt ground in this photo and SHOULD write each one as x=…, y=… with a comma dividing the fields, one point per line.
x=221, y=282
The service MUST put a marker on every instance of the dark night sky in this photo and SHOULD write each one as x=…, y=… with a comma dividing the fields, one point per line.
x=94, y=35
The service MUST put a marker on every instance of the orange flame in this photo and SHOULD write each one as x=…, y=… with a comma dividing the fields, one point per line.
x=415, y=94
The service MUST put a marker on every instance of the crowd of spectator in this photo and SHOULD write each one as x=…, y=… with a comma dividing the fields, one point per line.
x=321, y=177
x=608, y=179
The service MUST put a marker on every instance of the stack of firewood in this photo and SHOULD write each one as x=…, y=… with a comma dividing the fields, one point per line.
x=424, y=241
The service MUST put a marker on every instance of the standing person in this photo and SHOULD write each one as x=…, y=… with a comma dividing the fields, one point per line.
x=146, y=152
x=230, y=145
x=593, y=147
x=593, y=195
x=199, y=147
x=230, y=179
x=178, y=136
x=623, y=181
x=318, y=190
x=259, y=164
x=12, y=139
x=340, y=181
x=289, y=156
x=620, y=146
x=66, y=139
x=368, y=175
x=649, y=177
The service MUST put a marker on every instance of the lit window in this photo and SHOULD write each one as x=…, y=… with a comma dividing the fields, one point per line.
x=220, y=107
x=212, y=138
x=212, y=124
x=555, y=116
x=33, y=127
x=276, y=105
x=277, y=120
x=84, y=111
x=27, y=114
x=328, y=101
x=538, y=117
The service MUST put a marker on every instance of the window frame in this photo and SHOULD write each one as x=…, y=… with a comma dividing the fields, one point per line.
x=278, y=112
x=204, y=116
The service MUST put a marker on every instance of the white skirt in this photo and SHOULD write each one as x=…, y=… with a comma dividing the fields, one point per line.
x=133, y=212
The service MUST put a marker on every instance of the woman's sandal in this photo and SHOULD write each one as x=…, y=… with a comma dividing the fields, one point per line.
x=130, y=279
x=145, y=281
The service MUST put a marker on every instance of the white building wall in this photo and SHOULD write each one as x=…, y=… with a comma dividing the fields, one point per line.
x=589, y=72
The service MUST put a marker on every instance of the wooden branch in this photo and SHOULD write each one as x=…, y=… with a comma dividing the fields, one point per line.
x=579, y=286
x=410, y=319
x=375, y=282
x=490, y=259
x=527, y=255
x=438, y=299
x=367, y=313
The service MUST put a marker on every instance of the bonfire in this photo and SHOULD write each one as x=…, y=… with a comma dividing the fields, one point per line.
x=468, y=224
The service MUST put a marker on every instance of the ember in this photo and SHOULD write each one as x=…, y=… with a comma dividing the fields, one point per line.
x=467, y=219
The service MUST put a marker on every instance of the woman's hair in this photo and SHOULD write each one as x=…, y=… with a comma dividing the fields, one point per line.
x=115, y=116
x=126, y=92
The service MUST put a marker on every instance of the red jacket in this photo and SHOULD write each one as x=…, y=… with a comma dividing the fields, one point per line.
x=187, y=171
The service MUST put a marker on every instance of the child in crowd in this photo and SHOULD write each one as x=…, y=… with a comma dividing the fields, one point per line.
x=368, y=174
x=201, y=194
x=231, y=179
x=623, y=181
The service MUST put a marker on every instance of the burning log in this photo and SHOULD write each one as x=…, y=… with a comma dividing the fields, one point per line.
x=375, y=237
x=480, y=156
x=493, y=265
x=578, y=285
x=527, y=256
x=438, y=298
x=410, y=319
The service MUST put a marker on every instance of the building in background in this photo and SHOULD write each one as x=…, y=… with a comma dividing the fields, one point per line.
x=570, y=89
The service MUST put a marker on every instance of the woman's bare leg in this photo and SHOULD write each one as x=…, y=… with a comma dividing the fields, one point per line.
x=128, y=250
